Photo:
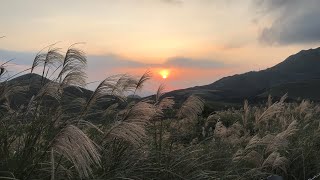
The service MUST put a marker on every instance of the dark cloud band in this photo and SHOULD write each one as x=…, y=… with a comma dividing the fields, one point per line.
x=296, y=22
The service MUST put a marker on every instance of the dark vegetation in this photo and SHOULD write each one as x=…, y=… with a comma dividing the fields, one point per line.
x=53, y=128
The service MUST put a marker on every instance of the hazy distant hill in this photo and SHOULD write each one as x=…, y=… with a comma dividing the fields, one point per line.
x=299, y=75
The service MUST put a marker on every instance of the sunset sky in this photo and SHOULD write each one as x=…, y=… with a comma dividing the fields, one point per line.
x=196, y=41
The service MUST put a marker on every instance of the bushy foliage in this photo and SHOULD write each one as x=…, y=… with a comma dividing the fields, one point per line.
x=57, y=136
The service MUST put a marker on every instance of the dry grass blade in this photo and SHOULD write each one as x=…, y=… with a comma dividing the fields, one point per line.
x=269, y=103
x=31, y=107
x=267, y=139
x=7, y=90
x=254, y=157
x=77, y=103
x=145, y=77
x=49, y=89
x=131, y=125
x=254, y=142
x=281, y=139
x=89, y=125
x=166, y=103
x=52, y=165
x=73, y=144
x=191, y=108
x=2, y=71
x=238, y=155
x=38, y=60
x=110, y=110
x=304, y=105
x=160, y=92
x=292, y=128
x=245, y=117
x=220, y=130
x=283, y=98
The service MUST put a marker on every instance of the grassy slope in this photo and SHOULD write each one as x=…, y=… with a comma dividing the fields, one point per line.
x=297, y=90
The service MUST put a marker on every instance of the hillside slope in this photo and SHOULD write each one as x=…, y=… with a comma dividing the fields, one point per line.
x=303, y=67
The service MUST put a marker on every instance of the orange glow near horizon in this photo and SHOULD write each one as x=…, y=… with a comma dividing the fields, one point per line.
x=164, y=73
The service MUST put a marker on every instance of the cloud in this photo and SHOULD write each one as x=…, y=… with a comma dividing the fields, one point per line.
x=194, y=63
x=295, y=22
x=267, y=6
x=173, y=1
x=21, y=58
x=112, y=61
x=100, y=66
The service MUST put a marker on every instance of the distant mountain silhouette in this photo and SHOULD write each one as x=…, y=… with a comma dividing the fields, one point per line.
x=298, y=75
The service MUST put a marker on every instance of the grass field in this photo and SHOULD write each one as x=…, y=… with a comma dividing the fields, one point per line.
x=55, y=136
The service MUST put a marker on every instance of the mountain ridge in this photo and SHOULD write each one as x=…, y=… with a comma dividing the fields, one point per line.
x=297, y=68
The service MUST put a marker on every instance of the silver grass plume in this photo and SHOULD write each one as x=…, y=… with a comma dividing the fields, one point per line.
x=269, y=103
x=131, y=124
x=187, y=114
x=160, y=92
x=304, y=105
x=51, y=58
x=238, y=155
x=164, y=103
x=73, y=69
x=191, y=108
x=267, y=139
x=254, y=157
x=145, y=77
x=78, y=148
x=126, y=84
x=220, y=130
x=275, y=108
x=275, y=160
x=115, y=86
x=281, y=140
x=253, y=143
x=245, y=116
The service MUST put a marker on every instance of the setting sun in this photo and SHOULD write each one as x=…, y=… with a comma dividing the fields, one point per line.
x=164, y=73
